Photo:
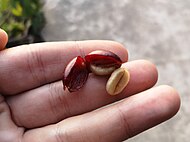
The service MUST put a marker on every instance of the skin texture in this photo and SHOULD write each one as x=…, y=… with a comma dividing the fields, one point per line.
x=35, y=108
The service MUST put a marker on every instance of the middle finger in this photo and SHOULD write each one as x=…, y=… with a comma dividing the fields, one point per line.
x=50, y=104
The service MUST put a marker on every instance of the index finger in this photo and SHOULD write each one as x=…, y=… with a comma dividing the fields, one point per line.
x=30, y=66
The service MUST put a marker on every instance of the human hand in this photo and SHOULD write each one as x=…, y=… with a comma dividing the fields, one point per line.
x=35, y=108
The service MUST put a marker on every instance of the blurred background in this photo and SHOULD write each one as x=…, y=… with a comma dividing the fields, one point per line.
x=156, y=30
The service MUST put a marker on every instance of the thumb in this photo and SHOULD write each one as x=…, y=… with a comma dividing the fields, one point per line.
x=3, y=39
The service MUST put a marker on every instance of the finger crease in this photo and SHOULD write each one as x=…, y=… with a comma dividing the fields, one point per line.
x=36, y=63
x=60, y=135
x=41, y=65
x=124, y=123
x=52, y=101
x=57, y=99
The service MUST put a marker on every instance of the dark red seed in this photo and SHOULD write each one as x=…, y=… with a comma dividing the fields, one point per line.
x=75, y=74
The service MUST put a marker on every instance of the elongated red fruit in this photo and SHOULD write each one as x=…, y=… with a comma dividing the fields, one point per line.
x=102, y=62
x=75, y=74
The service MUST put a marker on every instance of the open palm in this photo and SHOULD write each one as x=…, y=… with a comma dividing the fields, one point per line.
x=35, y=108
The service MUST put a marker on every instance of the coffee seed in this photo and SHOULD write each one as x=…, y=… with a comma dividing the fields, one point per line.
x=117, y=81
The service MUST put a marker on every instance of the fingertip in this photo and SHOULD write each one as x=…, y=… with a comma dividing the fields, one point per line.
x=153, y=107
x=3, y=39
x=142, y=72
x=164, y=100
x=123, y=52
x=172, y=98
x=120, y=49
x=151, y=66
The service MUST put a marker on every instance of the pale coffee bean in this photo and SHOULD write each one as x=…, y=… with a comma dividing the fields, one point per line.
x=117, y=81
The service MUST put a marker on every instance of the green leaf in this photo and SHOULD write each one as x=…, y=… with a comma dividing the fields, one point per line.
x=20, y=18
x=3, y=5
x=17, y=11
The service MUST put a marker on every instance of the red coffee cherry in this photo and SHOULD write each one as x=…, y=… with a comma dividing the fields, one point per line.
x=102, y=62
